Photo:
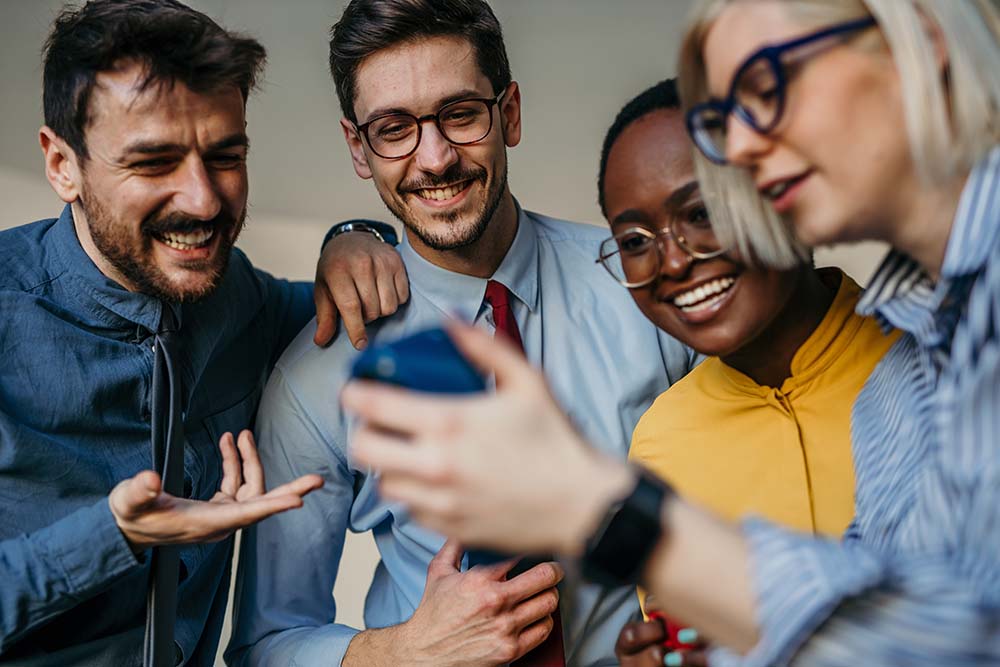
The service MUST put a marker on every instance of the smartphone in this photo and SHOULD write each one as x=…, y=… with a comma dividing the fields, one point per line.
x=425, y=361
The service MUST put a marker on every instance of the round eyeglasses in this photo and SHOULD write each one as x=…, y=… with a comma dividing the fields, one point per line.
x=634, y=257
x=395, y=136
x=757, y=92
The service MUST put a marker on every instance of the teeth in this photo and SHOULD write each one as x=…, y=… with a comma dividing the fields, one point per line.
x=187, y=241
x=702, y=292
x=441, y=194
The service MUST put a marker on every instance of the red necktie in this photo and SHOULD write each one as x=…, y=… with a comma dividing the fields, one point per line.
x=550, y=652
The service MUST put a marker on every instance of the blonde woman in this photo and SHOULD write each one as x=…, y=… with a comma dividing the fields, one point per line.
x=838, y=120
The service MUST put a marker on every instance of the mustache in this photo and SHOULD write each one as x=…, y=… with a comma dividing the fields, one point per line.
x=183, y=224
x=454, y=174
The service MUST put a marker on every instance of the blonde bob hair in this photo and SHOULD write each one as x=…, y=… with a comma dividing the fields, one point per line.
x=952, y=121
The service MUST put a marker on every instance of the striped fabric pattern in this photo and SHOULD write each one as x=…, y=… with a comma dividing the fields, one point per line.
x=916, y=579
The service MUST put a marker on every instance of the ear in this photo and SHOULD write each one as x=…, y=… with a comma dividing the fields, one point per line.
x=62, y=166
x=510, y=115
x=356, y=145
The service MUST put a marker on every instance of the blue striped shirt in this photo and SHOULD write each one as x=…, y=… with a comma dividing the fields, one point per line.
x=916, y=580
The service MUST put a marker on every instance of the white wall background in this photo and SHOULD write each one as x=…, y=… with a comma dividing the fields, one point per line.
x=577, y=62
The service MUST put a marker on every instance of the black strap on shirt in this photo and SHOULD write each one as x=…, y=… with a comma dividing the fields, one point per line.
x=160, y=649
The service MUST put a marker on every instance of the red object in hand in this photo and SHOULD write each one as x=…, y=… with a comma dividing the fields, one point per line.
x=671, y=643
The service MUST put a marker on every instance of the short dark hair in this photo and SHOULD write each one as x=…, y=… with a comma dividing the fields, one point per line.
x=661, y=96
x=172, y=41
x=368, y=26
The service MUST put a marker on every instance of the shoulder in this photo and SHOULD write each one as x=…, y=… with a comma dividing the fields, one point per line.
x=684, y=405
x=23, y=254
x=555, y=230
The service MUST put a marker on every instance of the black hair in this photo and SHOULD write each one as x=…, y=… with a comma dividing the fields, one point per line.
x=172, y=41
x=368, y=26
x=663, y=95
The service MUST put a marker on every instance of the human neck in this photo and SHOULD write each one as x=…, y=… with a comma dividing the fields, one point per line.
x=481, y=258
x=767, y=359
x=923, y=225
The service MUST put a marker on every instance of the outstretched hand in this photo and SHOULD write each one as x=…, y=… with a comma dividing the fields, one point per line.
x=148, y=517
x=479, y=468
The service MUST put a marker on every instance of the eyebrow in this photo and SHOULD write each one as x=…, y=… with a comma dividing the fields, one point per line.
x=465, y=94
x=238, y=139
x=675, y=201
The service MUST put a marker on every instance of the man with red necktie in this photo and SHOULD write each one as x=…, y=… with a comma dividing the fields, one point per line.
x=429, y=110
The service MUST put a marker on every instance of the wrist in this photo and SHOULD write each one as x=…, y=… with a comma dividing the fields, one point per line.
x=380, y=230
x=607, y=483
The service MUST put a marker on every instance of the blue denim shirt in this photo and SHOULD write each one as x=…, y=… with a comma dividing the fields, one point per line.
x=75, y=373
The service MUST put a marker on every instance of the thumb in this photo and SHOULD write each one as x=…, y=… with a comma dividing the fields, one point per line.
x=446, y=561
x=135, y=495
x=491, y=355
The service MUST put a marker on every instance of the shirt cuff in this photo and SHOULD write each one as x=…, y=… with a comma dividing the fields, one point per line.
x=799, y=580
x=88, y=548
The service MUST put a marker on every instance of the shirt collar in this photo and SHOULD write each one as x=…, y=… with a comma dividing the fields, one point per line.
x=900, y=288
x=447, y=289
x=101, y=296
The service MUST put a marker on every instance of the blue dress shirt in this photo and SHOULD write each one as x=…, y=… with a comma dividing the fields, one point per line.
x=916, y=581
x=605, y=363
x=75, y=380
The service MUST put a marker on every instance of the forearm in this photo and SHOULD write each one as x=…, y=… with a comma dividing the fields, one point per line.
x=52, y=569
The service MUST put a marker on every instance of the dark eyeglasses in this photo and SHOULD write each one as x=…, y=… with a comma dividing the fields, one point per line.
x=757, y=92
x=395, y=136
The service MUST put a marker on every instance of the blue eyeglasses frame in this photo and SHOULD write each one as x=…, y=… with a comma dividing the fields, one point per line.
x=773, y=55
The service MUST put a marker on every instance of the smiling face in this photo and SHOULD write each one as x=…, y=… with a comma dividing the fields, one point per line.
x=716, y=306
x=162, y=196
x=446, y=195
x=838, y=164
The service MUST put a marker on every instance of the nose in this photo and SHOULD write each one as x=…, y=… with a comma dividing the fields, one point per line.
x=197, y=195
x=435, y=154
x=674, y=262
x=744, y=145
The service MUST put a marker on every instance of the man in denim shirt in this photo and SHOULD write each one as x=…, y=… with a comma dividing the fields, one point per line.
x=145, y=142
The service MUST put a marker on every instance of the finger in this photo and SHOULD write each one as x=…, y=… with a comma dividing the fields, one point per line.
x=534, y=581
x=694, y=658
x=216, y=520
x=297, y=487
x=326, y=314
x=348, y=304
x=365, y=283
x=133, y=496
x=388, y=301
x=402, y=282
x=232, y=477
x=492, y=354
x=536, y=608
x=497, y=571
x=637, y=637
x=447, y=560
x=533, y=635
x=391, y=454
x=253, y=472
x=396, y=409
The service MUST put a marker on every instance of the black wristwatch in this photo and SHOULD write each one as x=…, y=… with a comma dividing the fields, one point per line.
x=382, y=231
x=616, y=553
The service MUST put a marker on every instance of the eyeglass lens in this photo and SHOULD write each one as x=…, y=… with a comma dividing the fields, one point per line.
x=463, y=122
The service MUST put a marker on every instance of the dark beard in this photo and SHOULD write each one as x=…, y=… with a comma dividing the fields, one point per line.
x=132, y=257
x=481, y=222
